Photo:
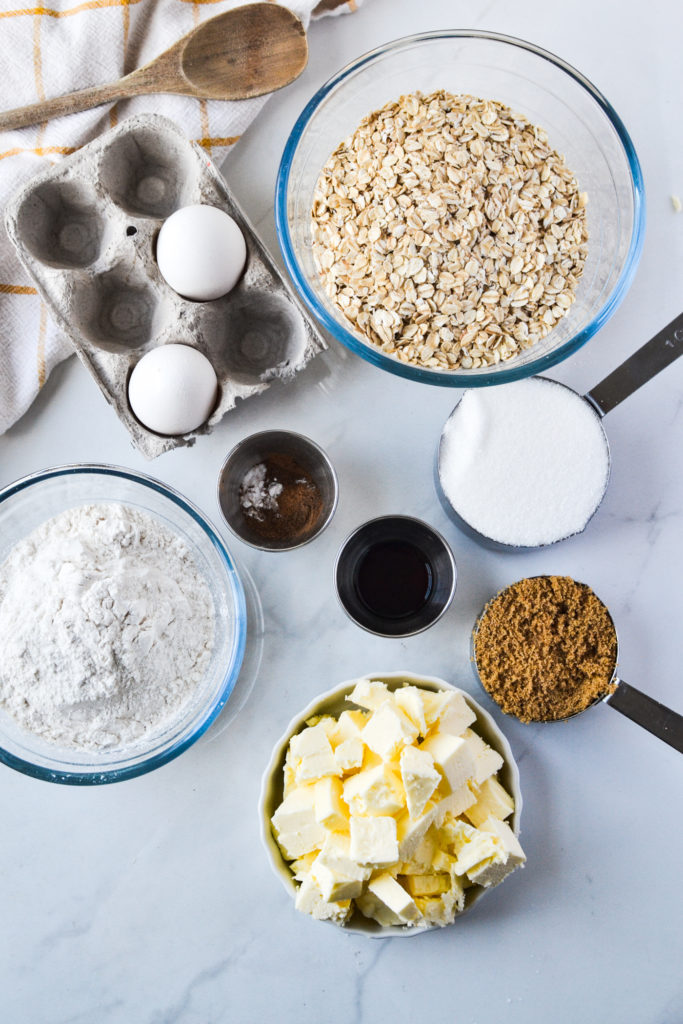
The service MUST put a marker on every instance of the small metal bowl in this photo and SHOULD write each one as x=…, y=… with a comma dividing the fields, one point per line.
x=255, y=449
x=395, y=529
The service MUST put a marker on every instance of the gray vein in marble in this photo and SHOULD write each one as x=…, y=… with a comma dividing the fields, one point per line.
x=364, y=969
x=174, y=1014
x=97, y=1013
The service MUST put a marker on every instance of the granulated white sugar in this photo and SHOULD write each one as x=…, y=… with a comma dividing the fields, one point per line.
x=524, y=463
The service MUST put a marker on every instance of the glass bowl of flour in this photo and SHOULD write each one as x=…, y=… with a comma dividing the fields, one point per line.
x=122, y=624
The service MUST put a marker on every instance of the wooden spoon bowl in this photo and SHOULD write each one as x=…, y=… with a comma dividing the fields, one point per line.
x=246, y=52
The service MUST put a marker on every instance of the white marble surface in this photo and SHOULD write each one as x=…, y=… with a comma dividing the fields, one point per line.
x=151, y=902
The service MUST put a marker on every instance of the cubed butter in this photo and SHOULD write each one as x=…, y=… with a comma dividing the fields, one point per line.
x=492, y=800
x=301, y=840
x=420, y=778
x=409, y=700
x=455, y=803
x=312, y=756
x=388, y=731
x=427, y=885
x=486, y=760
x=369, y=693
x=375, y=790
x=410, y=831
x=310, y=900
x=434, y=705
x=456, y=716
x=349, y=754
x=394, y=897
x=373, y=840
x=510, y=854
x=330, y=810
x=452, y=757
x=337, y=874
x=296, y=810
x=350, y=725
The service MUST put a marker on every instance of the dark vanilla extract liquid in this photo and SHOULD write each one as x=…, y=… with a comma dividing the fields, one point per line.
x=394, y=579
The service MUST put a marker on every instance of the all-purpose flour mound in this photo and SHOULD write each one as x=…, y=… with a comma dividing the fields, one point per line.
x=106, y=627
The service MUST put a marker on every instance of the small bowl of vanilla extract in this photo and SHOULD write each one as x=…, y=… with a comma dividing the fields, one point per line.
x=395, y=576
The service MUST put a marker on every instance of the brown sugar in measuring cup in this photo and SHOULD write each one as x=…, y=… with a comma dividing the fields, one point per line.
x=546, y=648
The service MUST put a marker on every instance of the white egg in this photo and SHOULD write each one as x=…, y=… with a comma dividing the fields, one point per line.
x=201, y=252
x=172, y=390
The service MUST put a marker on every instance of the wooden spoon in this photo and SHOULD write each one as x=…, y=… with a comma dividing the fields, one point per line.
x=241, y=53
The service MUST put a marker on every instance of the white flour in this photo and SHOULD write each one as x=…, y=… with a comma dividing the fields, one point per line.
x=106, y=627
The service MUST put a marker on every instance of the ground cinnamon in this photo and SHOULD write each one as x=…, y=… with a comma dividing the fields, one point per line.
x=546, y=648
x=279, y=499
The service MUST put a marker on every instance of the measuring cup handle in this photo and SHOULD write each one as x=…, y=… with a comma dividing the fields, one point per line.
x=639, y=368
x=661, y=721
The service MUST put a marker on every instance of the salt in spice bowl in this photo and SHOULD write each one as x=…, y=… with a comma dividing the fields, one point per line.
x=395, y=576
x=277, y=490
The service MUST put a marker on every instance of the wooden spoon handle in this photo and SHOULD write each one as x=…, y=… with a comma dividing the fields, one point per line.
x=83, y=99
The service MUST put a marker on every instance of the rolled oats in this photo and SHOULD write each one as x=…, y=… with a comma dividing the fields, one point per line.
x=448, y=232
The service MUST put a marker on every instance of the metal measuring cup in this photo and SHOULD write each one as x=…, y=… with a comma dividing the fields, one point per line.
x=638, y=369
x=656, y=718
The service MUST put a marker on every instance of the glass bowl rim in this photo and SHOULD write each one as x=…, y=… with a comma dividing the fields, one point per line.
x=120, y=774
x=458, y=378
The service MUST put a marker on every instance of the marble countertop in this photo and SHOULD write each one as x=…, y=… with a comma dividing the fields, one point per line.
x=152, y=902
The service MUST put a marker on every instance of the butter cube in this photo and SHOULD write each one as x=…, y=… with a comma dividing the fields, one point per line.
x=410, y=831
x=388, y=731
x=434, y=705
x=302, y=865
x=394, y=898
x=374, y=840
x=420, y=778
x=507, y=855
x=427, y=885
x=456, y=716
x=486, y=760
x=310, y=900
x=481, y=848
x=312, y=755
x=511, y=855
x=375, y=790
x=369, y=693
x=301, y=840
x=297, y=830
x=451, y=756
x=350, y=725
x=492, y=799
x=336, y=873
x=441, y=910
x=296, y=810
x=455, y=803
x=349, y=754
x=409, y=700
x=330, y=810
x=328, y=723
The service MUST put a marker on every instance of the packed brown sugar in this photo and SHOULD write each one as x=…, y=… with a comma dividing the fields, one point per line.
x=546, y=648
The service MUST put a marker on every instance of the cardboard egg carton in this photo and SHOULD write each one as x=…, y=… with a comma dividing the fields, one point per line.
x=86, y=232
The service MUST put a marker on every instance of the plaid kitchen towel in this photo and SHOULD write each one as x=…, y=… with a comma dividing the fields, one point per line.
x=51, y=50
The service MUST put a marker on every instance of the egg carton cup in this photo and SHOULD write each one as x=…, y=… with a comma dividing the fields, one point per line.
x=86, y=232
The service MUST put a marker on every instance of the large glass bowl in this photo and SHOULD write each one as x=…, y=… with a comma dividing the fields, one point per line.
x=26, y=504
x=580, y=124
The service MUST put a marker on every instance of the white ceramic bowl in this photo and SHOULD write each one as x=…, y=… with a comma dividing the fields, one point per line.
x=333, y=702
